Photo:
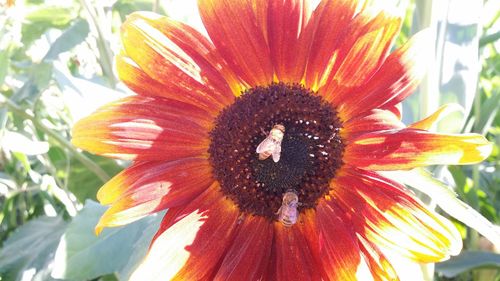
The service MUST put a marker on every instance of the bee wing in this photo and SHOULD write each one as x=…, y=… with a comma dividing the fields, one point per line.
x=266, y=145
x=277, y=153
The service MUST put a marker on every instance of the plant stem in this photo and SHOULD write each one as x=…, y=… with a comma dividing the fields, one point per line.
x=485, y=40
x=87, y=162
x=15, y=192
x=428, y=13
x=474, y=236
x=106, y=55
x=156, y=5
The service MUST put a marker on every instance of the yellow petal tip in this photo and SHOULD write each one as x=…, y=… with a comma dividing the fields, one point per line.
x=98, y=229
x=481, y=151
x=485, y=150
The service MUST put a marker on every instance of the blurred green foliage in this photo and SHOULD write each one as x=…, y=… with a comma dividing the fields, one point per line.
x=45, y=181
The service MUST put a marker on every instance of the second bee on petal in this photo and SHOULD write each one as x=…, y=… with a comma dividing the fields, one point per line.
x=288, y=213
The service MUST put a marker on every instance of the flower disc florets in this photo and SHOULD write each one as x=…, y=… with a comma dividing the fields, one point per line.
x=311, y=149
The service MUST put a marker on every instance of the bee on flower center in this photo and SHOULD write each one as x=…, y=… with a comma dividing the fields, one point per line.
x=271, y=145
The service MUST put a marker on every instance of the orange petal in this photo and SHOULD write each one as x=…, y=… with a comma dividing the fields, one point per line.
x=426, y=124
x=145, y=128
x=194, y=242
x=387, y=214
x=173, y=53
x=396, y=79
x=141, y=83
x=248, y=256
x=148, y=187
x=360, y=55
x=334, y=244
x=374, y=120
x=286, y=20
x=294, y=260
x=409, y=148
x=239, y=36
x=200, y=49
x=380, y=267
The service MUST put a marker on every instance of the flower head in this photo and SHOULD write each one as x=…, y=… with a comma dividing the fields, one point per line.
x=322, y=78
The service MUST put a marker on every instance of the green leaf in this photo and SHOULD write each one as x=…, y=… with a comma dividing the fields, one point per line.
x=58, y=157
x=82, y=96
x=82, y=255
x=71, y=37
x=126, y=7
x=39, y=21
x=4, y=63
x=39, y=79
x=31, y=249
x=109, y=277
x=140, y=247
x=83, y=183
x=489, y=109
x=466, y=261
x=7, y=181
x=23, y=159
x=51, y=15
x=487, y=39
x=41, y=74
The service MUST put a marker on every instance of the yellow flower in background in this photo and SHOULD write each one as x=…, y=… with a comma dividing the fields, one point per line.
x=204, y=105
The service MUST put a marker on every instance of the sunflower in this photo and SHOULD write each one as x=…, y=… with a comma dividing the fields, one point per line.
x=318, y=209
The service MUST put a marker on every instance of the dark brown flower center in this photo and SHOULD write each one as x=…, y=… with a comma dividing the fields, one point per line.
x=311, y=149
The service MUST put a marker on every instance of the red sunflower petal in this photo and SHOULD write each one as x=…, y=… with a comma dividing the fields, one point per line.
x=145, y=128
x=293, y=259
x=286, y=20
x=175, y=55
x=396, y=79
x=410, y=148
x=374, y=120
x=387, y=214
x=239, y=36
x=200, y=49
x=324, y=33
x=194, y=241
x=397, y=109
x=360, y=55
x=261, y=10
x=145, y=188
x=334, y=243
x=248, y=256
